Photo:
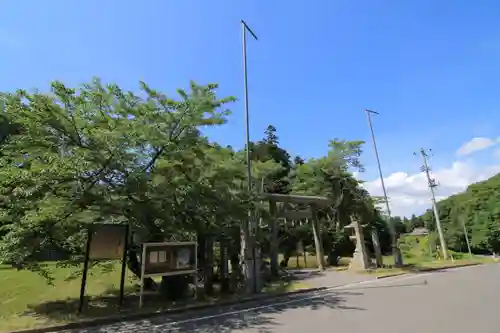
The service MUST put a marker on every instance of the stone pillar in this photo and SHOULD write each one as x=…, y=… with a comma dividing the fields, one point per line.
x=360, y=260
x=376, y=247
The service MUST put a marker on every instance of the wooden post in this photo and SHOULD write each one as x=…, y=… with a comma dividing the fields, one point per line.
x=85, y=269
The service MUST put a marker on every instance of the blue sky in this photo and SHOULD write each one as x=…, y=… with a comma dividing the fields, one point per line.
x=429, y=67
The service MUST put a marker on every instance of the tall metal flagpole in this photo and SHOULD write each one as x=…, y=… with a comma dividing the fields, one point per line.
x=250, y=228
x=398, y=260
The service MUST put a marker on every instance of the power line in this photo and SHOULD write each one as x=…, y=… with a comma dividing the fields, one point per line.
x=431, y=182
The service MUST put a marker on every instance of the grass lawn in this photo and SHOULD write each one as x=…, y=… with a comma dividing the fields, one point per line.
x=26, y=301
x=423, y=264
x=413, y=264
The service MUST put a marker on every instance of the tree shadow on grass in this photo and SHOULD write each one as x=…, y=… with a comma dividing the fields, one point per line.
x=106, y=305
x=258, y=316
x=103, y=306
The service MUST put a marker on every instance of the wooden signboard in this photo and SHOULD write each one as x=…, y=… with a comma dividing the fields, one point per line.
x=107, y=242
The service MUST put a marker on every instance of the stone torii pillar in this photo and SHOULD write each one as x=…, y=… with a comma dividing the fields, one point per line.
x=360, y=260
x=376, y=246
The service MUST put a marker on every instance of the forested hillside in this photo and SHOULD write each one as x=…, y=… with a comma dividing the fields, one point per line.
x=479, y=209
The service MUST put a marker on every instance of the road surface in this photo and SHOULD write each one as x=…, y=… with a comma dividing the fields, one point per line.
x=462, y=300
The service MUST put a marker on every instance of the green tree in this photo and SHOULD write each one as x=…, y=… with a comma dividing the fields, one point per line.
x=330, y=176
x=102, y=154
x=268, y=149
x=73, y=157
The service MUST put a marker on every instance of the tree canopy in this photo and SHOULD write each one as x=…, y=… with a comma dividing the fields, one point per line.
x=97, y=153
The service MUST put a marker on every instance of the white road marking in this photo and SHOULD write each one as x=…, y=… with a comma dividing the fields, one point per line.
x=316, y=295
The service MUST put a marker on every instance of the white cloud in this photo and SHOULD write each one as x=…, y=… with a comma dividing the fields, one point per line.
x=474, y=145
x=409, y=194
x=496, y=153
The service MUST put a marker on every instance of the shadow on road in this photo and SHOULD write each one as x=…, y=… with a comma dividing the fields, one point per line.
x=298, y=275
x=257, y=316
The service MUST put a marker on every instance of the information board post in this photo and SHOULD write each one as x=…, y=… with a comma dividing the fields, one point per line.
x=85, y=270
x=105, y=241
x=143, y=273
x=124, y=264
x=168, y=259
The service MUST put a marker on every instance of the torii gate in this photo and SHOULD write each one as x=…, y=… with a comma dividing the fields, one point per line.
x=314, y=203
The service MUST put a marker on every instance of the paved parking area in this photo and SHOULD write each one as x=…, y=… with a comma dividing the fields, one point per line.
x=457, y=301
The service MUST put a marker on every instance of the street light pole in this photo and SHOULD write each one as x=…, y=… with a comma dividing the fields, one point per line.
x=249, y=255
x=244, y=29
x=398, y=260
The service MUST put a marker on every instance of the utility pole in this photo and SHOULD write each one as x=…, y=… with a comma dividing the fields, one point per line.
x=432, y=184
x=398, y=259
x=251, y=269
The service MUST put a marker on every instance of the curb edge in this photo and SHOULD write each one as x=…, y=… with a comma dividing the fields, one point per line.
x=391, y=275
x=430, y=269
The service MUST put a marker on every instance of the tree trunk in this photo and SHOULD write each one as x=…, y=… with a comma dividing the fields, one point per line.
x=208, y=269
x=317, y=239
x=248, y=256
x=224, y=268
x=246, y=261
x=175, y=287
x=234, y=258
x=200, y=239
x=333, y=257
x=286, y=259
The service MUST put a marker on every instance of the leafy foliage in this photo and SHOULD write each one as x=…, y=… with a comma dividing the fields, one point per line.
x=73, y=157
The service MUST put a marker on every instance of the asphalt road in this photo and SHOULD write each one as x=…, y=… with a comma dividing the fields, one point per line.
x=462, y=300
